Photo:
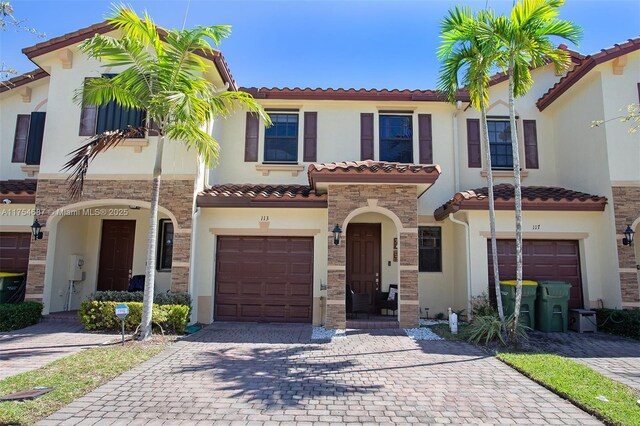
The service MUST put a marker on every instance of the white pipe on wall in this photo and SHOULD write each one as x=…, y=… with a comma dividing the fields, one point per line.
x=468, y=250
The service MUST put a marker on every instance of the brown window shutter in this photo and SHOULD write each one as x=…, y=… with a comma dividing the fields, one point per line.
x=310, y=136
x=425, y=138
x=251, y=138
x=20, y=140
x=366, y=136
x=88, y=119
x=153, y=128
x=530, y=144
x=473, y=143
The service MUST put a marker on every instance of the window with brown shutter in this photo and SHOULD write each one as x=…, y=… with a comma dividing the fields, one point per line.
x=473, y=143
x=366, y=136
x=530, y=144
x=21, y=137
x=251, y=138
x=310, y=136
x=425, y=138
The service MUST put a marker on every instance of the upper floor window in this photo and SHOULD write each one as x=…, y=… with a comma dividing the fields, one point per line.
x=500, y=144
x=281, y=139
x=396, y=138
x=27, y=143
x=110, y=116
x=429, y=249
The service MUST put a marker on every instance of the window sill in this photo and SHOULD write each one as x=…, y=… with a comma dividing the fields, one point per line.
x=295, y=169
x=30, y=170
x=137, y=144
x=504, y=173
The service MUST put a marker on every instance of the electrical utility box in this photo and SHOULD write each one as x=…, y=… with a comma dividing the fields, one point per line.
x=76, y=264
x=582, y=320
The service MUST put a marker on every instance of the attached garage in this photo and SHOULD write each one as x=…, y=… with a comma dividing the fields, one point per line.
x=14, y=251
x=543, y=260
x=264, y=279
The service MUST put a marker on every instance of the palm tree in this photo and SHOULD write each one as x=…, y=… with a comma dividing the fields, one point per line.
x=524, y=45
x=462, y=51
x=164, y=77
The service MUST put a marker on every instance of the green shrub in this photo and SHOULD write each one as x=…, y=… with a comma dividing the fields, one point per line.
x=488, y=328
x=165, y=298
x=99, y=315
x=14, y=316
x=481, y=306
x=623, y=322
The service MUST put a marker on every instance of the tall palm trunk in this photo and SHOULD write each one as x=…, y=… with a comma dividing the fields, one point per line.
x=518, y=201
x=492, y=212
x=150, y=279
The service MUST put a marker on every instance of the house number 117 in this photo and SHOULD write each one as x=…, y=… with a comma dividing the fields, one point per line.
x=536, y=227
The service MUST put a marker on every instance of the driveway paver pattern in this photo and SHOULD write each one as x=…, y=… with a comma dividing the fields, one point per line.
x=272, y=374
x=32, y=347
x=615, y=357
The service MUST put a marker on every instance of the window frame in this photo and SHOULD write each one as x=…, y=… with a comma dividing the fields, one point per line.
x=162, y=246
x=494, y=166
x=295, y=140
x=409, y=140
x=436, y=249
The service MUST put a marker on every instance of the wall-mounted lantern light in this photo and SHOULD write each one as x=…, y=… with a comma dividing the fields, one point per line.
x=628, y=236
x=337, y=231
x=36, y=230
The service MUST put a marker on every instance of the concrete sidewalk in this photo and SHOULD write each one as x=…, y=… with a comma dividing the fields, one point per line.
x=34, y=346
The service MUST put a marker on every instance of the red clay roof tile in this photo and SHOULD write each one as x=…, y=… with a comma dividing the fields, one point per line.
x=349, y=94
x=22, y=79
x=533, y=198
x=370, y=171
x=230, y=195
x=19, y=191
x=586, y=65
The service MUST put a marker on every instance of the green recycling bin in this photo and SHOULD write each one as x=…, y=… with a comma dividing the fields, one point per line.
x=10, y=283
x=527, y=304
x=553, y=306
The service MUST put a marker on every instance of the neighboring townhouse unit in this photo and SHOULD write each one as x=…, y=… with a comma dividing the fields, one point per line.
x=395, y=177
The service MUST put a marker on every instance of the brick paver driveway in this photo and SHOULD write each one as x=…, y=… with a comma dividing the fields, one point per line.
x=254, y=374
x=615, y=357
x=32, y=347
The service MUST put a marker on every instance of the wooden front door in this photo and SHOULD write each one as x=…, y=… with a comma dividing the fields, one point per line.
x=116, y=254
x=363, y=259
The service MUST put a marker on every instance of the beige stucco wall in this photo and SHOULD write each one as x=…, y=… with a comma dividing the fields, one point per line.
x=599, y=269
x=12, y=104
x=80, y=234
x=235, y=221
x=16, y=217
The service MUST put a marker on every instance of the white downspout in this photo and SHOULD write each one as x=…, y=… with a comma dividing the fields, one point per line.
x=192, y=267
x=468, y=249
x=456, y=154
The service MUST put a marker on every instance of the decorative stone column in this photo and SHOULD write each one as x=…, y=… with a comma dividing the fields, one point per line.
x=627, y=211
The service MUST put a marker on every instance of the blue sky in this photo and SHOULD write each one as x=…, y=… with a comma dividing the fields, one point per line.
x=317, y=43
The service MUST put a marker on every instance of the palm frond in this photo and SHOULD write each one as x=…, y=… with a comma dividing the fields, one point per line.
x=80, y=159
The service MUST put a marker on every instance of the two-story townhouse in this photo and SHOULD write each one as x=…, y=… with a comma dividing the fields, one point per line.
x=366, y=188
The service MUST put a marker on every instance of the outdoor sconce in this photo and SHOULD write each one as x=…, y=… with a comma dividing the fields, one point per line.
x=336, y=234
x=628, y=236
x=35, y=230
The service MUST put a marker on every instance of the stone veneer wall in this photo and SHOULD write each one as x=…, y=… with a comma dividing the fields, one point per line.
x=626, y=201
x=175, y=195
x=401, y=200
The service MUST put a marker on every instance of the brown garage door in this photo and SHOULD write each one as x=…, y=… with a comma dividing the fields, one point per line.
x=543, y=260
x=264, y=279
x=14, y=251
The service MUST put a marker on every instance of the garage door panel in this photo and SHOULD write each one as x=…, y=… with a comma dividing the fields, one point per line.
x=269, y=276
x=543, y=260
x=14, y=251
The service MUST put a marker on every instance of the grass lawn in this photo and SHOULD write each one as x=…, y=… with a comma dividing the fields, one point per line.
x=581, y=385
x=73, y=377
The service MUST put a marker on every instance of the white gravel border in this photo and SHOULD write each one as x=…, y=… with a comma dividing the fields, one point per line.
x=321, y=333
x=421, y=334
x=427, y=322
